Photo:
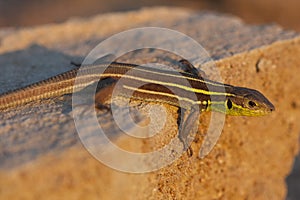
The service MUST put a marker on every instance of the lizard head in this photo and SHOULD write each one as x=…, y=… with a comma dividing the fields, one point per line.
x=247, y=102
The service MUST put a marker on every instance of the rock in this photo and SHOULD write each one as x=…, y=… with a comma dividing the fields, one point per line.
x=41, y=155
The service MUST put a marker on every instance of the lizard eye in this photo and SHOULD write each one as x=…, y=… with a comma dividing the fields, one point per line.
x=229, y=104
x=251, y=104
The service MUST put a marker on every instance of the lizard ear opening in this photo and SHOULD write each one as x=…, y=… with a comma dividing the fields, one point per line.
x=229, y=104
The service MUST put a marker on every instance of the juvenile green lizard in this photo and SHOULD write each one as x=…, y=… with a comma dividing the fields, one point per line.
x=161, y=86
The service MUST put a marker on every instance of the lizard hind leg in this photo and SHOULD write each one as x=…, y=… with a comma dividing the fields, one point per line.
x=103, y=97
x=101, y=100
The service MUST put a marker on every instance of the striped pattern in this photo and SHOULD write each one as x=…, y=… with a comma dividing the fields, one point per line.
x=150, y=84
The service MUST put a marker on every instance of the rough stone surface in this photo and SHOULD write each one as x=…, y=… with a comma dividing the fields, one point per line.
x=41, y=155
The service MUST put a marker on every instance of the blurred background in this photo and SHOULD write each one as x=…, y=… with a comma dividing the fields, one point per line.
x=36, y=12
x=15, y=13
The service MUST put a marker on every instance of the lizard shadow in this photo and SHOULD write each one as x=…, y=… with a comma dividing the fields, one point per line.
x=24, y=132
x=23, y=67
